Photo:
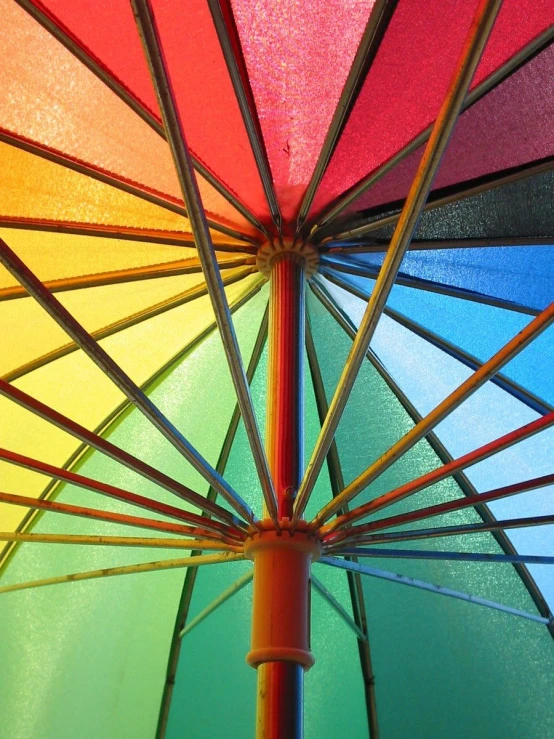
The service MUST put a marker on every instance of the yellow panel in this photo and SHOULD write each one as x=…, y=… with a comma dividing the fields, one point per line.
x=74, y=386
x=33, y=187
x=57, y=102
x=54, y=256
x=29, y=331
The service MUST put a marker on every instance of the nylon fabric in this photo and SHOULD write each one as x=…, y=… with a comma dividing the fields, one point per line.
x=404, y=89
x=33, y=187
x=494, y=271
x=205, y=98
x=108, y=32
x=519, y=209
x=486, y=415
x=53, y=256
x=53, y=384
x=488, y=136
x=481, y=330
x=447, y=631
x=58, y=103
x=219, y=661
x=34, y=333
x=127, y=664
x=288, y=67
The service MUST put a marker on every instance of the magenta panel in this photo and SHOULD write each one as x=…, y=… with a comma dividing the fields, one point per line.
x=298, y=55
x=407, y=83
x=510, y=126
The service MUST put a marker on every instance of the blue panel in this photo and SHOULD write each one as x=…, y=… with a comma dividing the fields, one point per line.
x=520, y=274
x=427, y=375
x=480, y=330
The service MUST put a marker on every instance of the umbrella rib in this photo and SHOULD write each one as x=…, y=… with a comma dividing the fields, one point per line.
x=128, y=233
x=124, y=94
x=229, y=42
x=417, y=283
x=511, y=387
x=228, y=593
x=444, y=125
x=465, y=485
x=447, y=470
x=459, y=504
x=177, y=141
x=438, y=589
x=165, y=564
x=376, y=27
x=190, y=578
x=354, y=580
x=446, y=556
x=124, y=407
x=119, y=541
x=209, y=530
x=456, y=530
x=143, y=192
x=516, y=61
x=344, y=322
x=379, y=246
x=74, y=329
x=445, y=196
x=152, y=311
x=111, y=450
x=123, y=276
x=111, y=491
x=327, y=596
x=441, y=411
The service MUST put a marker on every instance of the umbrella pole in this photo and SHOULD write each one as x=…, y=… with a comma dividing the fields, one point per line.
x=280, y=637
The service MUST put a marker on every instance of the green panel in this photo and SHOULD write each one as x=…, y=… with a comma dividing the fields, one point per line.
x=213, y=654
x=88, y=659
x=443, y=668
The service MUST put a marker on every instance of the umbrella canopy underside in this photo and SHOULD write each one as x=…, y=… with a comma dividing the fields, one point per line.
x=91, y=205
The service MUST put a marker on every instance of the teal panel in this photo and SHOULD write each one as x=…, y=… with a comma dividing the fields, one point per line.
x=88, y=659
x=443, y=668
x=213, y=654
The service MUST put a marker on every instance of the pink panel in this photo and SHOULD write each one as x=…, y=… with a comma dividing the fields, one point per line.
x=408, y=81
x=298, y=55
x=212, y=120
x=510, y=126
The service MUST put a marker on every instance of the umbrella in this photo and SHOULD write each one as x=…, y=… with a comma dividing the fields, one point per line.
x=277, y=291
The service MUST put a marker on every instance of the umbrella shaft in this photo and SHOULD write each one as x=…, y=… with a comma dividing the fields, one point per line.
x=285, y=408
x=280, y=700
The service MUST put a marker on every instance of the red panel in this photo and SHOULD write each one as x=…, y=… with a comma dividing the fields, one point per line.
x=511, y=125
x=106, y=28
x=408, y=81
x=298, y=55
x=212, y=120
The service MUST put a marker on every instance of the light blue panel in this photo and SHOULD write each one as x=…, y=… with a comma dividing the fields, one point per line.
x=478, y=329
x=427, y=376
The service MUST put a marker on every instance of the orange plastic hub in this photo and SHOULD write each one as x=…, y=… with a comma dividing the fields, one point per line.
x=281, y=612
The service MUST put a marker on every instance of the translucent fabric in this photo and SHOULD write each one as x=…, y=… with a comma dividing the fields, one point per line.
x=508, y=127
x=197, y=70
x=51, y=383
x=109, y=664
x=58, y=103
x=289, y=48
x=407, y=82
x=492, y=271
